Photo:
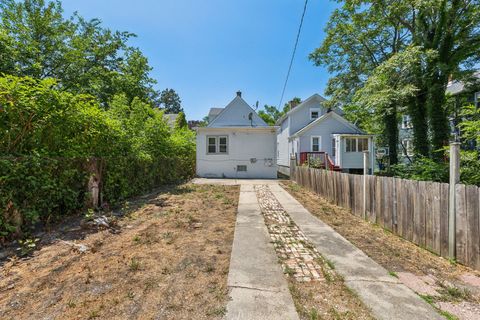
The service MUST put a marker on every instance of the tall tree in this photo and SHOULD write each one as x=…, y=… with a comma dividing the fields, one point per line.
x=81, y=54
x=170, y=101
x=181, y=122
x=361, y=35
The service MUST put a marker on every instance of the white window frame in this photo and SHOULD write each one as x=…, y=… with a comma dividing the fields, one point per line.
x=334, y=147
x=406, y=122
x=317, y=110
x=319, y=143
x=217, y=144
x=356, y=139
x=408, y=144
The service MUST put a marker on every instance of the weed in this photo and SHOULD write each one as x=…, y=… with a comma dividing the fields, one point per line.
x=27, y=246
x=168, y=237
x=89, y=215
x=393, y=274
x=431, y=300
x=71, y=304
x=330, y=264
x=209, y=268
x=314, y=314
x=450, y=293
x=93, y=314
x=137, y=239
x=130, y=294
x=288, y=271
x=134, y=264
x=221, y=311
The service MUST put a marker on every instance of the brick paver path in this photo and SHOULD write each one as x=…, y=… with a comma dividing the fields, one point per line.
x=299, y=258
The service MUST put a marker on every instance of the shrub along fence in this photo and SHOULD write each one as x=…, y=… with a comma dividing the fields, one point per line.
x=37, y=188
x=414, y=210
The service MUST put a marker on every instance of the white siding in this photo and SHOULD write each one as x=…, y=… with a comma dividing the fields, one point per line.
x=324, y=129
x=282, y=142
x=301, y=118
x=236, y=114
x=354, y=160
x=243, y=146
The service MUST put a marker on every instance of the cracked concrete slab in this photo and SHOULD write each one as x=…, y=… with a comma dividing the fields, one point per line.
x=258, y=288
x=385, y=295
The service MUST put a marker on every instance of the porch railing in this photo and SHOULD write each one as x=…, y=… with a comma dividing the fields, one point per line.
x=318, y=159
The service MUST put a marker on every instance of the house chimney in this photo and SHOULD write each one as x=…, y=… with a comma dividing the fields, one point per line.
x=239, y=93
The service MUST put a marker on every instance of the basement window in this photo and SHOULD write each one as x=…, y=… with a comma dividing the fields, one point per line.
x=242, y=168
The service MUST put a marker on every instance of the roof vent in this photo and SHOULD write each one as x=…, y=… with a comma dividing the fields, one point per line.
x=239, y=93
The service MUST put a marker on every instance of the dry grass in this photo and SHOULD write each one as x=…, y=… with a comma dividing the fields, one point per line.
x=327, y=299
x=169, y=261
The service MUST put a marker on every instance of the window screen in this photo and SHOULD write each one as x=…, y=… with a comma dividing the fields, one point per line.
x=212, y=145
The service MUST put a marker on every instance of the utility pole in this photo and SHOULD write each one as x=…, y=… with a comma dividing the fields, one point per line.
x=454, y=180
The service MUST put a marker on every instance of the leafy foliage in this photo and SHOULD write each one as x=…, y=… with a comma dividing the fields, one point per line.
x=83, y=56
x=170, y=101
x=364, y=36
x=49, y=135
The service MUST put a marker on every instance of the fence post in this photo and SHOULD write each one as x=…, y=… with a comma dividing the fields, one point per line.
x=365, y=173
x=454, y=179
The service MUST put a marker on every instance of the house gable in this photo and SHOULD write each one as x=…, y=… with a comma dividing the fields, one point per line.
x=236, y=114
x=330, y=122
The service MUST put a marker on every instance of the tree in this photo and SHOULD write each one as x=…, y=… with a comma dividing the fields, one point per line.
x=270, y=114
x=170, y=101
x=37, y=41
x=181, y=122
x=361, y=35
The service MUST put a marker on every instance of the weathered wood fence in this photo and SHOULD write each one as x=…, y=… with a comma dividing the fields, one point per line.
x=414, y=210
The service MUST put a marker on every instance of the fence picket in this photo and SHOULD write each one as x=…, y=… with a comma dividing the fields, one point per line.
x=419, y=208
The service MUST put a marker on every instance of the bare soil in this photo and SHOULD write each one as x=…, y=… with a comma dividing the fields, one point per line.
x=397, y=255
x=168, y=258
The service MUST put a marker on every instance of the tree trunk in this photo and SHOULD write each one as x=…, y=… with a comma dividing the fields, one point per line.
x=391, y=133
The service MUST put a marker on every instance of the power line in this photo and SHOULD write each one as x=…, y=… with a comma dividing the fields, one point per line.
x=293, y=54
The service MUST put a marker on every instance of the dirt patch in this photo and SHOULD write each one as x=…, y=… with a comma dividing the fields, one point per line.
x=422, y=270
x=317, y=291
x=168, y=260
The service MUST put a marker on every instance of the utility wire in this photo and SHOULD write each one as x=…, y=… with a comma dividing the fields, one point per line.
x=293, y=54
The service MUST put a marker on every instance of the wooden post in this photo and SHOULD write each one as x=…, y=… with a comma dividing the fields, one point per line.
x=365, y=173
x=454, y=180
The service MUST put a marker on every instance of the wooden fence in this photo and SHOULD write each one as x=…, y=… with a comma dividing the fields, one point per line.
x=414, y=210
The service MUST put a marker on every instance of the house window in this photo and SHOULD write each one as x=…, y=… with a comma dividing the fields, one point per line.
x=314, y=114
x=407, y=147
x=362, y=144
x=241, y=168
x=406, y=122
x=334, y=147
x=356, y=144
x=315, y=144
x=217, y=144
x=477, y=100
x=351, y=145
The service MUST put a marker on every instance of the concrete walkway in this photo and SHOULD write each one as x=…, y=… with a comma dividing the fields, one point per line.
x=258, y=288
x=233, y=182
x=385, y=295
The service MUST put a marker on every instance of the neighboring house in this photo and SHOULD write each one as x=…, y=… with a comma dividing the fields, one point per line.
x=311, y=132
x=462, y=94
x=171, y=119
x=237, y=143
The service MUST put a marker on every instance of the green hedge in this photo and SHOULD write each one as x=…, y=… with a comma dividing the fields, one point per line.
x=48, y=137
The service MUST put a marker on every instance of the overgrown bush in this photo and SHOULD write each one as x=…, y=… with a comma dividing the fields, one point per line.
x=424, y=169
x=48, y=136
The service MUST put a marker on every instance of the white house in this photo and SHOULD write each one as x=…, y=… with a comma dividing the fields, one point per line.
x=312, y=132
x=237, y=143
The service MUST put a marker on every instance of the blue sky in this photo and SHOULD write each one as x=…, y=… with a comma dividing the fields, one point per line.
x=207, y=50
